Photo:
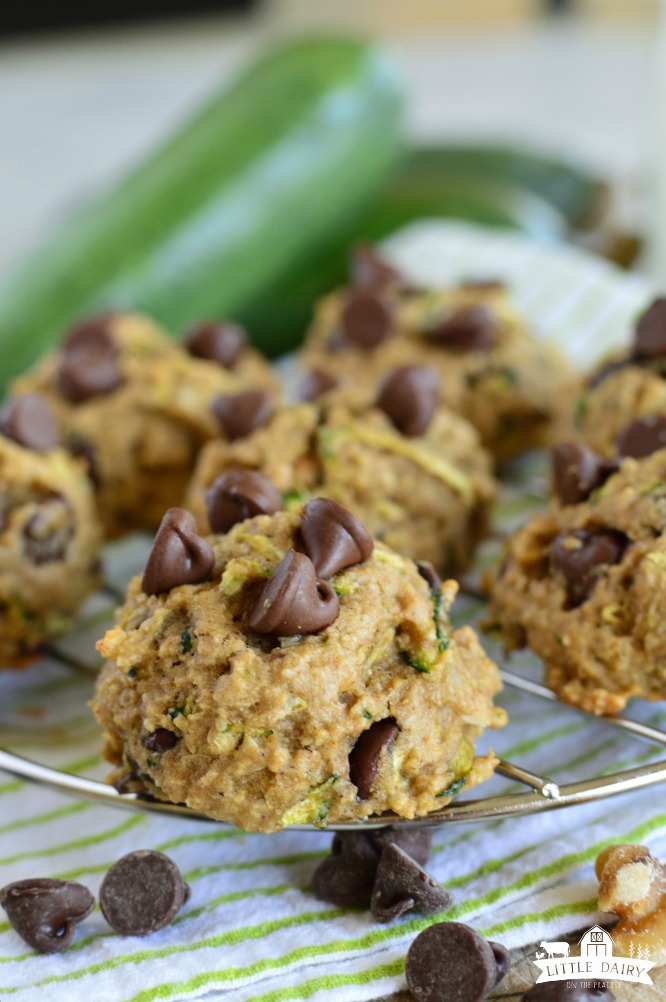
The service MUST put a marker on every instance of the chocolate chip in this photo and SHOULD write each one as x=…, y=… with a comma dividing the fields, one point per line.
x=429, y=574
x=409, y=397
x=48, y=533
x=401, y=884
x=142, y=893
x=366, y=319
x=581, y=557
x=160, y=740
x=294, y=601
x=650, y=333
x=643, y=436
x=347, y=876
x=502, y=959
x=369, y=271
x=238, y=495
x=30, y=422
x=577, y=471
x=332, y=537
x=45, y=912
x=218, y=340
x=89, y=362
x=81, y=448
x=316, y=382
x=470, y=328
x=570, y=991
x=365, y=755
x=179, y=555
x=449, y=962
x=241, y=413
x=416, y=842
x=608, y=369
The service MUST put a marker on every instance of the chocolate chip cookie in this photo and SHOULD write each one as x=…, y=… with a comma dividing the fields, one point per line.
x=516, y=390
x=583, y=584
x=137, y=406
x=298, y=673
x=49, y=533
x=413, y=471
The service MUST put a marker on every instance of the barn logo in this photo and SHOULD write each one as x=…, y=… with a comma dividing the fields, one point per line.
x=596, y=962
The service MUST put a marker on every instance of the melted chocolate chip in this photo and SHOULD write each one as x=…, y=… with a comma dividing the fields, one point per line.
x=142, y=893
x=369, y=271
x=332, y=537
x=409, y=396
x=449, y=962
x=294, y=601
x=643, y=436
x=650, y=333
x=577, y=471
x=220, y=341
x=401, y=884
x=89, y=362
x=581, y=557
x=502, y=959
x=470, y=328
x=241, y=413
x=429, y=574
x=179, y=555
x=365, y=755
x=316, y=382
x=160, y=740
x=366, y=319
x=48, y=533
x=238, y=495
x=45, y=912
x=30, y=422
x=570, y=991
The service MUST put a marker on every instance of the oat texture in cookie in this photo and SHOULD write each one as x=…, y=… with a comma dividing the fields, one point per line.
x=265, y=695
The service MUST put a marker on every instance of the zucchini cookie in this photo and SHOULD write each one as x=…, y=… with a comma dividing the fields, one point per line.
x=514, y=389
x=291, y=671
x=584, y=584
x=623, y=411
x=49, y=534
x=413, y=471
x=137, y=406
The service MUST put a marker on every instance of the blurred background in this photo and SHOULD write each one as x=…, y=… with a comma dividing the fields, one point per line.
x=86, y=90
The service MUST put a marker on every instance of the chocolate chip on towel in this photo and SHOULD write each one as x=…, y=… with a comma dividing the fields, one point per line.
x=347, y=876
x=449, y=962
x=242, y=413
x=30, y=422
x=365, y=755
x=502, y=959
x=220, y=341
x=409, y=396
x=45, y=912
x=240, y=494
x=294, y=601
x=401, y=884
x=179, y=555
x=142, y=893
x=333, y=537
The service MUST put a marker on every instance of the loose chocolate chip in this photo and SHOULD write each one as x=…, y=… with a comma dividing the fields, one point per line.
x=48, y=533
x=316, y=382
x=179, y=555
x=650, y=334
x=570, y=991
x=294, y=601
x=241, y=413
x=429, y=574
x=238, y=495
x=218, y=340
x=409, y=397
x=607, y=369
x=30, y=422
x=470, y=328
x=332, y=537
x=365, y=755
x=581, y=557
x=416, y=842
x=449, y=962
x=577, y=471
x=366, y=319
x=502, y=959
x=643, y=436
x=45, y=912
x=369, y=271
x=160, y=740
x=401, y=884
x=89, y=363
x=347, y=876
x=142, y=893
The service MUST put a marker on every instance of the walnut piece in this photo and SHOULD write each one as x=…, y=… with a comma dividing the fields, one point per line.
x=632, y=885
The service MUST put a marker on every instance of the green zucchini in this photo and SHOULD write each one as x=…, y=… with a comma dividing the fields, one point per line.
x=275, y=167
